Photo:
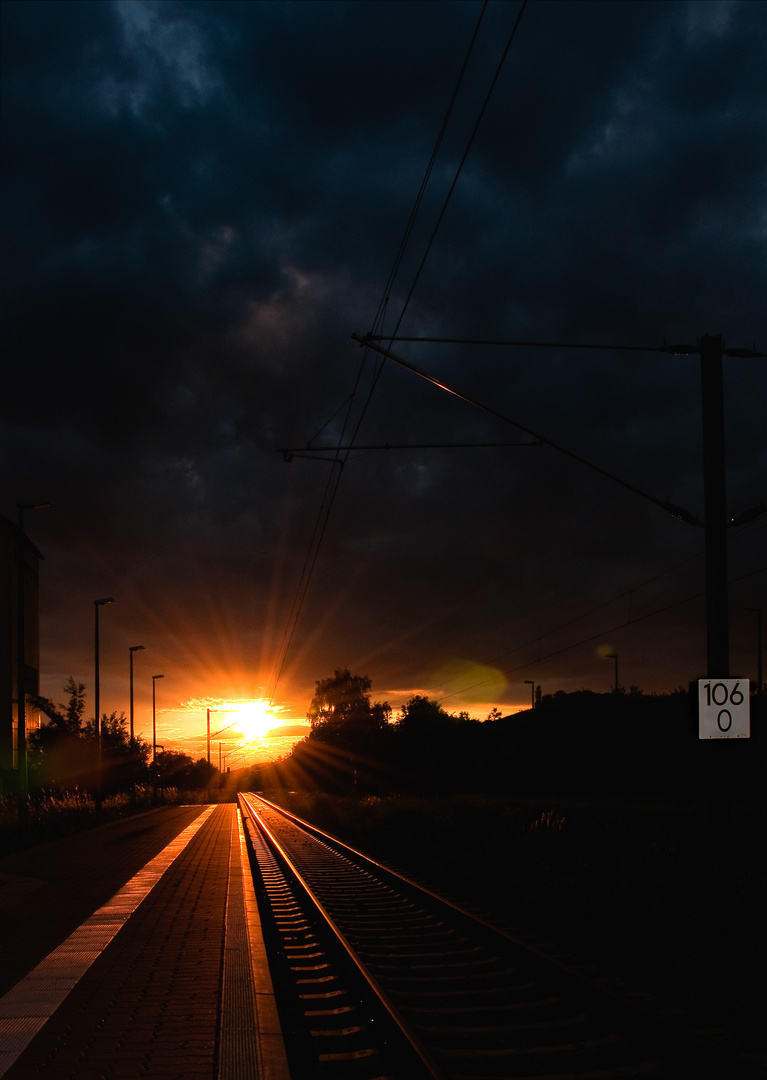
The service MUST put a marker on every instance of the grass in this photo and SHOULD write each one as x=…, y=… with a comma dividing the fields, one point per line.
x=51, y=816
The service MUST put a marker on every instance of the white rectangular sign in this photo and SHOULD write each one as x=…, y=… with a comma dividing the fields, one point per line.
x=723, y=709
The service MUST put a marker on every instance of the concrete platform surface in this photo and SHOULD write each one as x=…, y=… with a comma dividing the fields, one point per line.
x=134, y=950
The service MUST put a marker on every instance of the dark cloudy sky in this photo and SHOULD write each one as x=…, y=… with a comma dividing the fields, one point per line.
x=203, y=201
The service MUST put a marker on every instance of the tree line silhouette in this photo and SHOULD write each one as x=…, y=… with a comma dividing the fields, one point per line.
x=624, y=743
x=62, y=754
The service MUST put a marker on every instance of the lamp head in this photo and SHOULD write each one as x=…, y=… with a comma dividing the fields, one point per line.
x=135, y=648
x=105, y=600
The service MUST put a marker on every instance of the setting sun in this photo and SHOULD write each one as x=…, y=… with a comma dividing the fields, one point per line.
x=253, y=718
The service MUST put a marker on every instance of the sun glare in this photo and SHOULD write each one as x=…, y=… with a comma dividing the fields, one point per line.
x=253, y=718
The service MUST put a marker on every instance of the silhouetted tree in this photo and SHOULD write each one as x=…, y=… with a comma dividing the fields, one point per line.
x=61, y=754
x=341, y=711
x=68, y=717
x=121, y=764
x=175, y=769
x=421, y=714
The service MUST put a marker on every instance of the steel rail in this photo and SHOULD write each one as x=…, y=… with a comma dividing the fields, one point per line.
x=672, y=1046
x=427, y=1062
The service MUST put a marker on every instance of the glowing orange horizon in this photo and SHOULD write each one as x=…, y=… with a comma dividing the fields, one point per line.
x=253, y=718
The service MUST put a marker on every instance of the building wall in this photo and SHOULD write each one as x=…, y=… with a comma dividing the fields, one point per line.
x=9, y=591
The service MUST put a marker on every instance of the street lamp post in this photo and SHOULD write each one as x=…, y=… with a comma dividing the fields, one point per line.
x=96, y=694
x=131, y=650
x=154, y=715
x=614, y=656
x=531, y=683
x=154, y=736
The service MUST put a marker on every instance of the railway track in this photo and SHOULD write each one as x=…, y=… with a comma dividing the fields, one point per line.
x=378, y=978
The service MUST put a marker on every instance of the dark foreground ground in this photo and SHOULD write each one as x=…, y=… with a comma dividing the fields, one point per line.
x=666, y=898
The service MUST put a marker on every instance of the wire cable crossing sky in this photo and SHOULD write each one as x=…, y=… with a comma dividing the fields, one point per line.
x=203, y=201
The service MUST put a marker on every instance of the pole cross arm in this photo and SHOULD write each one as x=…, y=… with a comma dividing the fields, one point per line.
x=681, y=514
x=745, y=354
x=671, y=350
x=747, y=516
x=675, y=511
x=288, y=454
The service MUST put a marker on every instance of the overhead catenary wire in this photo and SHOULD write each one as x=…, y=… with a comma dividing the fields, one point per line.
x=599, y=634
x=671, y=508
x=464, y=157
x=425, y=180
x=742, y=531
x=597, y=607
x=334, y=476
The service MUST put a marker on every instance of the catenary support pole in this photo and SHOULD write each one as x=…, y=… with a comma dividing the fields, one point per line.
x=715, y=501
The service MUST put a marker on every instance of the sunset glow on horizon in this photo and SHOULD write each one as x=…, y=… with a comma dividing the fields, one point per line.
x=243, y=731
x=253, y=719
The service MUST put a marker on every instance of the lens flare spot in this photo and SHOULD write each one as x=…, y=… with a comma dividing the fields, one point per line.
x=469, y=681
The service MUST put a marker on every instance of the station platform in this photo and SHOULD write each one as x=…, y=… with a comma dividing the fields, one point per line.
x=135, y=950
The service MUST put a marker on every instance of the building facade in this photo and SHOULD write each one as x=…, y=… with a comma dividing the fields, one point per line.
x=19, y=580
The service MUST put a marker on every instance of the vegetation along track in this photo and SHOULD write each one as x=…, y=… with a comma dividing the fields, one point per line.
x=377, y=977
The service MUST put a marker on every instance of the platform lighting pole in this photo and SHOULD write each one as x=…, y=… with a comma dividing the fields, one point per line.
x=21, y=679
x=131, y=650
x=154, y=736
x=531, y=683
x=154, y=715
x=614, y=656
x=207, y=788
x=97, y=694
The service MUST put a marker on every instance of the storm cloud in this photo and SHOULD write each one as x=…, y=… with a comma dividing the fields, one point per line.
x=203, y=201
